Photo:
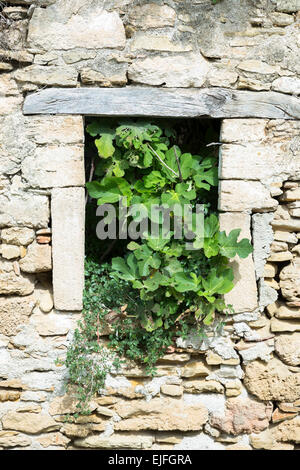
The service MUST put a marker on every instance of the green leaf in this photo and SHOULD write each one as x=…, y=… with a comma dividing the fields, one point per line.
x=186, y=282
x=124, y=270
x=230, y=247
x=105, y=146
x=218, y=283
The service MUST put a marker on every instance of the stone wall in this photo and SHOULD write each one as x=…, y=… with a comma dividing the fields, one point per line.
x=240, y=390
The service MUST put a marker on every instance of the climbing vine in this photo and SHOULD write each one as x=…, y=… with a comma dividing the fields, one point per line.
x=146, y=292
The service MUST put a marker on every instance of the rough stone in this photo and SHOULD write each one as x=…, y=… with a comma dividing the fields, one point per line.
x=11, y=283
x=289, y=85
x=67, y=207
x=160, y=415
x=51, y=75
x=185, y=71
x=30, y=423
x=9, y=395
x=287, y=347
x=20, y=236
x=284, y=325
x=243, y=130
x=9, y=251
x=243, y=416
x=239, y=196
x=243, y=269
x=67, y=25
x=54, y=166
x=288, y=6
x=285, y=237
x=194, y=369
x=158, y=43
x=172, y=390
x=203, y=386
x=53, y=439
x=37, y=259
x=13, y=439
x=152, y=15
x=288, y=431
x=93, y=77
x=290, y=281
x=52, y=324
x=57, y=130
x=67, y=404
x=24, y=209
x=14, y=311
x=272, y=381
x=116, y=441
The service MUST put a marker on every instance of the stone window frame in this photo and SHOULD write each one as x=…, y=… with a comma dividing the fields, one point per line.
x=68, y=201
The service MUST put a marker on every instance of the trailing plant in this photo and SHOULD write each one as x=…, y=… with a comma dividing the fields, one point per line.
x=157, y=288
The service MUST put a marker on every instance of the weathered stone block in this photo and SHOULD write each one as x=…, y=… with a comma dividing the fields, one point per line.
x=272, y=381
x=185, y=71
x=290, y=85
x=11, y=283
x=37, y=259
x=243, y=130
x=13, y=439
x=49, y=75
x=54, y=166
x=116, y=441
x=31, y=423
x=57, y=130
x=239, y=196
x=20, y=236
x=67, y=207
x=244, y=272
x=243, y=416
x=152, y=15
x=68, y=24
x=160, y=415
x=14, y=311
x=158, y=43
x=24, y=209
x=287, y=348
x=288, y=6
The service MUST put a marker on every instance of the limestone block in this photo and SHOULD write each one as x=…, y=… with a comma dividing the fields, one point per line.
x=9, y=251
x=285, y=237
x=203, y=386
x=116, y=441
x=281, y=19
x=288, y=6
x=8, y=86
x=290, y=280
x=282, y=311
x=262, y=239
x=194, y=369
x=280, y=257
x=244, y=271
x=239, y=196
x=288, y=431
x=172, y=390
x=31, y=423
x=272, y=381
x=185, y=71
x=53, y=439
x=270, y=270
x=68, y=213
x=67, y=404
x=292, y=225
x=242, y=415
x=289, y=85
x=11, y=283
x=93, y=77
x=160, y=415
x=13, y=439
x=152, y=15
x=37, y=259
x=284, y=325
x=243, y=130
x=24, y=209
x=69, y=24
x=47, y=75
x=54, y=166
x=55, y=129
x=50, y=325
x=20, y=236
x=254, y=161
x=287, y=348
x=291, y=195
x=14, y=311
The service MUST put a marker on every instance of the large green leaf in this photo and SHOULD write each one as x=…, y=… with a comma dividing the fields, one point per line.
x=125, y=270
x=105, y=145
x=186, y=282
x=229, y=246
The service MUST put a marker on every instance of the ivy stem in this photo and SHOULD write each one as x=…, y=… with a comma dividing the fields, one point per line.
x=162, y=162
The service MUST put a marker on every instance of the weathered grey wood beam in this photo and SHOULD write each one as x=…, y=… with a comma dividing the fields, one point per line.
x=163, y=102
